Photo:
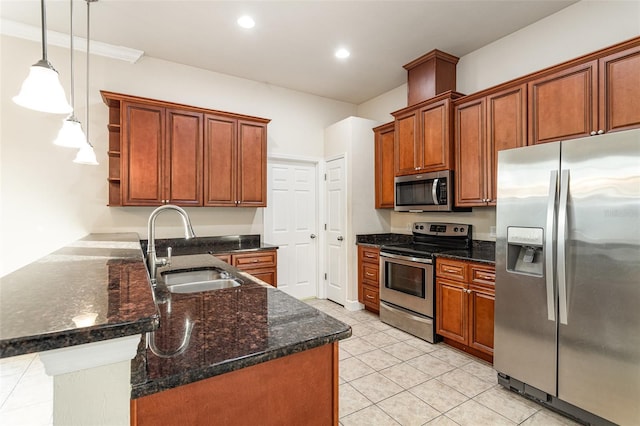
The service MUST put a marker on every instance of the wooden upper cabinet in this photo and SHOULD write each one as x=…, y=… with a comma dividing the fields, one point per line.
x=506, y=129
x=183, y=178
x=484, y=127
x=235, y=162
x=406, y=131
x=423, y=136
x=619, y=76
x=161, y=152
x=564, y=105
x=143, y=131
x=384, y=173
x=471, y=161
x=252, y=164
x=220, y=153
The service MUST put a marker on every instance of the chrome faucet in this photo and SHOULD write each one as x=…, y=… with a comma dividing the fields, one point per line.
x=152, y=261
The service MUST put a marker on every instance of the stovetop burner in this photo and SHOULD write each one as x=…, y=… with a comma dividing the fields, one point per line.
x=430, y=238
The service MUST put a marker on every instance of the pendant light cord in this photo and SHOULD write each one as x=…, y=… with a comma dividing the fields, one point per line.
x=71, y=46
x=43, y=15
x=88, y=37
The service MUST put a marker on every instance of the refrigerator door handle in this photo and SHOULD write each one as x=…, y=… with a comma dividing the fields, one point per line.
x=562, y=238
x=548, y=244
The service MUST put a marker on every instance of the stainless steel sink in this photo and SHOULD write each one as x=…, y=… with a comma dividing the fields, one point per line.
x=193, y=281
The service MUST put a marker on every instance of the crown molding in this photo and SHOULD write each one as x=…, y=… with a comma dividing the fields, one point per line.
x=29, y=32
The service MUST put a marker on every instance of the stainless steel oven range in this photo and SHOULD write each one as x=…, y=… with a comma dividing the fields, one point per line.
x=407, y=290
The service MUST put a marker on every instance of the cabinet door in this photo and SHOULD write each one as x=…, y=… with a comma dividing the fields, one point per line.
x=183, y=177
x=471, y=163
x=435, y=137
x=481, y=314
x=506, y=128
x=405, y=144
x=220, y=166
x=266, y=275
x=620, y=91
x=384, y=172
x=563, y=105
x=451, y=310
x=252, y=164
x=142, y=155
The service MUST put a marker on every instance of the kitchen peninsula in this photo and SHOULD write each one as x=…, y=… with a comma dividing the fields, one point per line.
x=242, y=343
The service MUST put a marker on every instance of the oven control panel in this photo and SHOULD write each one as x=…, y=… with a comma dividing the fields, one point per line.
x=442, y=229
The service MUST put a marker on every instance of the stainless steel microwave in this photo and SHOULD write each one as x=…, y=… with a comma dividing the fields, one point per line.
x=426, y=192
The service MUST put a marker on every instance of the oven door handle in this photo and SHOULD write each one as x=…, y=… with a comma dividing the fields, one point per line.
x=407, y=258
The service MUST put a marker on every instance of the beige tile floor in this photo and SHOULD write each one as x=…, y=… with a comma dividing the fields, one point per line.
x=387, y=377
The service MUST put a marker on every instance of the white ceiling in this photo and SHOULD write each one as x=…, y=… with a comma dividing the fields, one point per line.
x=293, y=42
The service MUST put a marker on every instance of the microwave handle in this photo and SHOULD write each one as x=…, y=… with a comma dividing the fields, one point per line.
x=434, y=191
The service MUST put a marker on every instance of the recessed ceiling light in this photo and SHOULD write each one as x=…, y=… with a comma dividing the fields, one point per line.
x=246, y=21
x=342, y=53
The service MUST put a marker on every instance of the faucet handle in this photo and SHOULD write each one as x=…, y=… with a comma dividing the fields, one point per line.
x=169, y=250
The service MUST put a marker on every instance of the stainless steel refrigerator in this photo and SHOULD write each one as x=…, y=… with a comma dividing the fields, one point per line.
x=567, y=308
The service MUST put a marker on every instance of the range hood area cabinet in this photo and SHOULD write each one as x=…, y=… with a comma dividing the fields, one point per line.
x=593, y=97
x=161, y=152
x=424, y=136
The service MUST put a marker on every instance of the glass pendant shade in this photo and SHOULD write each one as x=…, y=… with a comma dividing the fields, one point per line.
x=42, y=91
x=71, y=134
x=86, y=155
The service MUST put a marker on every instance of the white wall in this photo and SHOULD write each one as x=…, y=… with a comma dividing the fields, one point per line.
x=47, y=201
x=579, y=29
x=353, y=137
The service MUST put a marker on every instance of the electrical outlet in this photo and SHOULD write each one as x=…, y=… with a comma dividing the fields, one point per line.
x=492, y=231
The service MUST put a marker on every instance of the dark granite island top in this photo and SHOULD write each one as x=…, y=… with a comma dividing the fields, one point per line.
x=206, y=334
x=94, y=289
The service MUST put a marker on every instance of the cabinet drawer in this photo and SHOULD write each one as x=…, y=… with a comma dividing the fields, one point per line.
x=452, y=269
x=370, y=273
x=370, y=254
x=370, y=297
x=261, y=259
x=483, y=275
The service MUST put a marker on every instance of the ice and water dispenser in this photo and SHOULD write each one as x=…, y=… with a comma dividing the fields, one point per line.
x=524, y=250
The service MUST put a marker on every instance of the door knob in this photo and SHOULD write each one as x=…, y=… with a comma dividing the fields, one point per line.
x=312, y=236
x=340, y=238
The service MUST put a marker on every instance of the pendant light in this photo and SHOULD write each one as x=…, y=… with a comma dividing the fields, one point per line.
x=86, y=154
x=41, y=90
x=71, y=134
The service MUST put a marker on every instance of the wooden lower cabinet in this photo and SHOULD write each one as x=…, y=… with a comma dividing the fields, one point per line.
x=297, y=389
x=262, y=264
x=368, y=277
x=465, y=299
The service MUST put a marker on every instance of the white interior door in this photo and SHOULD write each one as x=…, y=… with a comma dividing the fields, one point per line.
x=336, y=266
x=291, y=223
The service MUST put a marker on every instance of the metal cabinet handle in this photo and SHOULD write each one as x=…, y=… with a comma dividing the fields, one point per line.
x=312, y=236
x=340, y=238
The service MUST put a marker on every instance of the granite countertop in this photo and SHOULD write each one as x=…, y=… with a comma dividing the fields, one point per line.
x=97, y=288
x=94, y=289
x=224, y=330
x=213, y=245
x=481, y=251
x=382, y=239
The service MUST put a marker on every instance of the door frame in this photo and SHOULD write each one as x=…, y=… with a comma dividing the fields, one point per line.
x=318, y=163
